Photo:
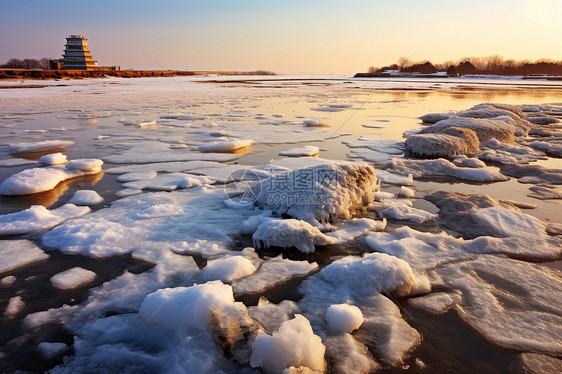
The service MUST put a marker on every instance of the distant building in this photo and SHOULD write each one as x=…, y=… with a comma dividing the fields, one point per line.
x=77, y=56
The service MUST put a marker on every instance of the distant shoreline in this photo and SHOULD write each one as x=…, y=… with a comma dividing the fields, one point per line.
x=17, y=74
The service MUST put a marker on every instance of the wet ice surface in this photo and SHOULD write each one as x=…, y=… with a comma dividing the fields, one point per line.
x=171, y=214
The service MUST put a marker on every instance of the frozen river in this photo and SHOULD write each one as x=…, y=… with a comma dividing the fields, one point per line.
x=173, y=232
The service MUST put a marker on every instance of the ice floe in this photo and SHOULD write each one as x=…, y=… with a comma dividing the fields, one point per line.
x=510, y=303
x=544, y=192
x=225, y=145
x=86, y=197
x=470, y=162
x=72, y=278
x=440, y=167
x=53, y=159
x=9, y=162
x=30, y=181
x=271, y=273
x=168, y=182
x=39, y=146
x=15, y=254
x=50, y=350
x=397, y=209
x=137, y=224
x=308, y=150
x=435, y=303
x=228, y=268
x=147, y=152
x=533, y=173
x=37, y=218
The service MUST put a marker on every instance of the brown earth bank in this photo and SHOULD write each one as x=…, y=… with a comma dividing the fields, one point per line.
x=77, y=74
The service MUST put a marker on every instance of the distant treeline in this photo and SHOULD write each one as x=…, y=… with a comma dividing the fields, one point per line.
x=491, y=65
x=27, y=63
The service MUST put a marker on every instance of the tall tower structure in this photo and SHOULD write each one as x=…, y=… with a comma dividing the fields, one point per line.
x=77, y=56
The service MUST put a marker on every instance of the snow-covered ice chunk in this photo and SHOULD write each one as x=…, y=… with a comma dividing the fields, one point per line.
x=39, y=146
x=170, y=307
x=440, y=167
x=226, y=145
x=406, y=192
x=15, y=305
x=145, y=124
x=53, y=159
x=319, y=194
x=30, y=181
x=500, y=128
x=7, y=281
x=447, y=142
x=37, y=218
x=72, y=278
x=228, y=269
x=372, y=274
x=19, y=253
x=435, y=117
x=307, y=150
x=271, y=273
x=86, y=197
x=84, y=164
x=289, y=233
x=342, y=318
x=294, y=344
x=50, y=350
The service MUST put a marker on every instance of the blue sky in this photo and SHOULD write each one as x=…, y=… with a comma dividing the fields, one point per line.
x=340, y=37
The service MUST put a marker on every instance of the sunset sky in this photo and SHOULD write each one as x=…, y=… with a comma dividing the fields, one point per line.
x=289, y=36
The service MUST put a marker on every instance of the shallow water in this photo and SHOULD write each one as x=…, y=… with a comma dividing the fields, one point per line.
x=88, y=113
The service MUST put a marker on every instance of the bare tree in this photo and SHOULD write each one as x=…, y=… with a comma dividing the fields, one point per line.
x=403, y=62
x=372, y=69
x=44, y=63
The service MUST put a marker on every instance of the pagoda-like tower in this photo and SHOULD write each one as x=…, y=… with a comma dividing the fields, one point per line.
x=77, y=56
